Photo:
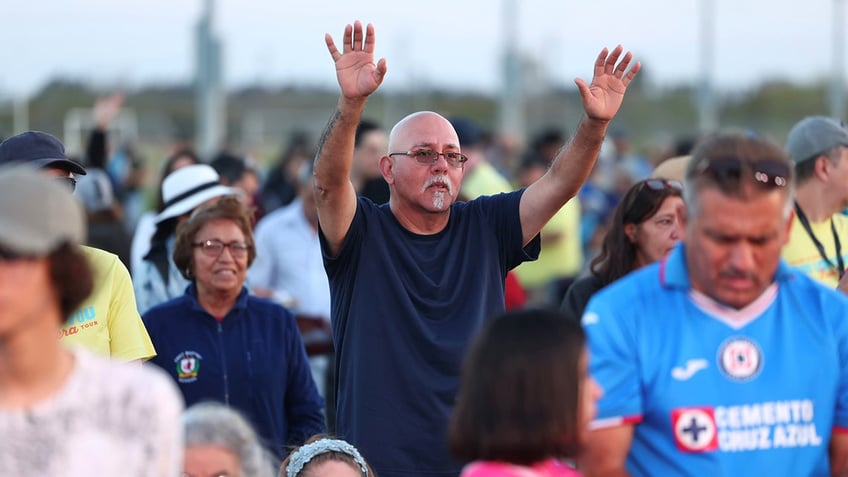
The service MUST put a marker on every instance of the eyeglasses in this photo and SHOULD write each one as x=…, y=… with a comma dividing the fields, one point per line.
x=430, y=157
x=214, y=248
x=768, y=173
x=68, y=182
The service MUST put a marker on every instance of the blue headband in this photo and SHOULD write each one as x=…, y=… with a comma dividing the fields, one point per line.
x=303, y=455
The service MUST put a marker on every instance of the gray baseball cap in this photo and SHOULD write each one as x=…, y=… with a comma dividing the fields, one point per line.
x=814, y=135
x=37, y=214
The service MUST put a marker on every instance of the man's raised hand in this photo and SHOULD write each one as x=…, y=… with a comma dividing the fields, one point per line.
x=356, y=71
x=603, y=97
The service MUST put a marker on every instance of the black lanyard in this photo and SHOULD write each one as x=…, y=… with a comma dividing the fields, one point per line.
x=840, y=266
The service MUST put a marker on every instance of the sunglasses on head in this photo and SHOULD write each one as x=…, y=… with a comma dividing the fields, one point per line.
x=641, y=204
x=661, y=184
x=768, y=173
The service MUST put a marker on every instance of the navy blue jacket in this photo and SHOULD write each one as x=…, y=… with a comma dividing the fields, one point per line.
x=253, y=360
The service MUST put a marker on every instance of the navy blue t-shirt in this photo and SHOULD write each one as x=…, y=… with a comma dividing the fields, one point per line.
x=404, y=308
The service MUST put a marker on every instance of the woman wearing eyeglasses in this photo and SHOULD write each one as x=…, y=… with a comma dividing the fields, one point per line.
x=220, y=343
x=645, y=226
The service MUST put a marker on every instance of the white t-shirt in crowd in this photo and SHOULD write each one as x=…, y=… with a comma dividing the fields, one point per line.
x=108, y=419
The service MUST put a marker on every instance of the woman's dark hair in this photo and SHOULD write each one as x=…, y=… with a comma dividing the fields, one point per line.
x=71, y=276
x=520, y=391
x=226, y=208
x=640, y=203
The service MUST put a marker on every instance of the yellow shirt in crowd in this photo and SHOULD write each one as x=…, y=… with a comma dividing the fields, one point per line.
x=801, y=251
x=560, y=258
x=108, y=322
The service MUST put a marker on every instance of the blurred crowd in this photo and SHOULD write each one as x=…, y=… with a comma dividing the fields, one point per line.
x=427, y=299
x=124, y=200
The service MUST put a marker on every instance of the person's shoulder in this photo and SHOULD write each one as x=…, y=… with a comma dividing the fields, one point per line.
x=486, y=469
x=100, y=258
x=638, y=283
x=266, y=308
x=840, y=220
x=628, y=298
x=815, y=291
x=367, y=205
x=499, y=197
x=166, y=310
x=488, y=202
x=271, y=317
x=106, y=266
x=590, y=282
x=367, y=212
x=121, y=379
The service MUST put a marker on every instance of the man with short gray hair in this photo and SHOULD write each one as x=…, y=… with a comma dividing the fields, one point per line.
x=724, y=361
x=818, y=147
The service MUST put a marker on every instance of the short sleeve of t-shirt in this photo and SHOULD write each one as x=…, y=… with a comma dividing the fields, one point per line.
x=129, y=338
x=119, y=331
x=613, y=359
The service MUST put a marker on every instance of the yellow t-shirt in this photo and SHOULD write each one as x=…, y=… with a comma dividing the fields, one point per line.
x=801, y=251
x=560, y=258
x=484, y=179
x=108, y=322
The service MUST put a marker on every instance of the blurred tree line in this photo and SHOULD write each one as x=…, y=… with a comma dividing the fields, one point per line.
x=260, y=119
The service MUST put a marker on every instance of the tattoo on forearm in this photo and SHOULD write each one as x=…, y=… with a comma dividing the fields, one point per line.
x=327, y=130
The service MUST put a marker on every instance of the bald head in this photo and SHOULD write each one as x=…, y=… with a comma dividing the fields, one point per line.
x=424, y=128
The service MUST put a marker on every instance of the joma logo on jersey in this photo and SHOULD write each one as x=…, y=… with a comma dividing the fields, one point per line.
x=188, y=366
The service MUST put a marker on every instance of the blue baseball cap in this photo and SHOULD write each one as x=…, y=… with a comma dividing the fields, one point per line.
x=39, y=149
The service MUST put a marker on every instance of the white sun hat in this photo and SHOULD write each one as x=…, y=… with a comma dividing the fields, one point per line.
x=188, y=187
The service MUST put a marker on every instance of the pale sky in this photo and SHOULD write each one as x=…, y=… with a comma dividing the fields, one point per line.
x=452, y=43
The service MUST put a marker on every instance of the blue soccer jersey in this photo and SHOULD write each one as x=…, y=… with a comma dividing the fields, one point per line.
x=717, y=391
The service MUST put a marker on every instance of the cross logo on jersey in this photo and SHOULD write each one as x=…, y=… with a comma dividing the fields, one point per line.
x=740, y=358
x=694, y=429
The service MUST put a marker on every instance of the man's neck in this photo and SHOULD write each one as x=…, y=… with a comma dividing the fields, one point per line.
x=33, y=365
x=816, y=203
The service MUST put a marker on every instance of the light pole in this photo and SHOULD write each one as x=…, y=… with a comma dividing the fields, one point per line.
x=511, y=108
x=210, y=97
x=837, y=77
x=707, y=111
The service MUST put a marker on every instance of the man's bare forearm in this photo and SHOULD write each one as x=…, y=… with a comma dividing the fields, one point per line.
x=575, y=160
x=335, y=147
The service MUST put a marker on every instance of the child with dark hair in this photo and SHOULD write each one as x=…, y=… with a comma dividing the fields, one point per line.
x=525, y=399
